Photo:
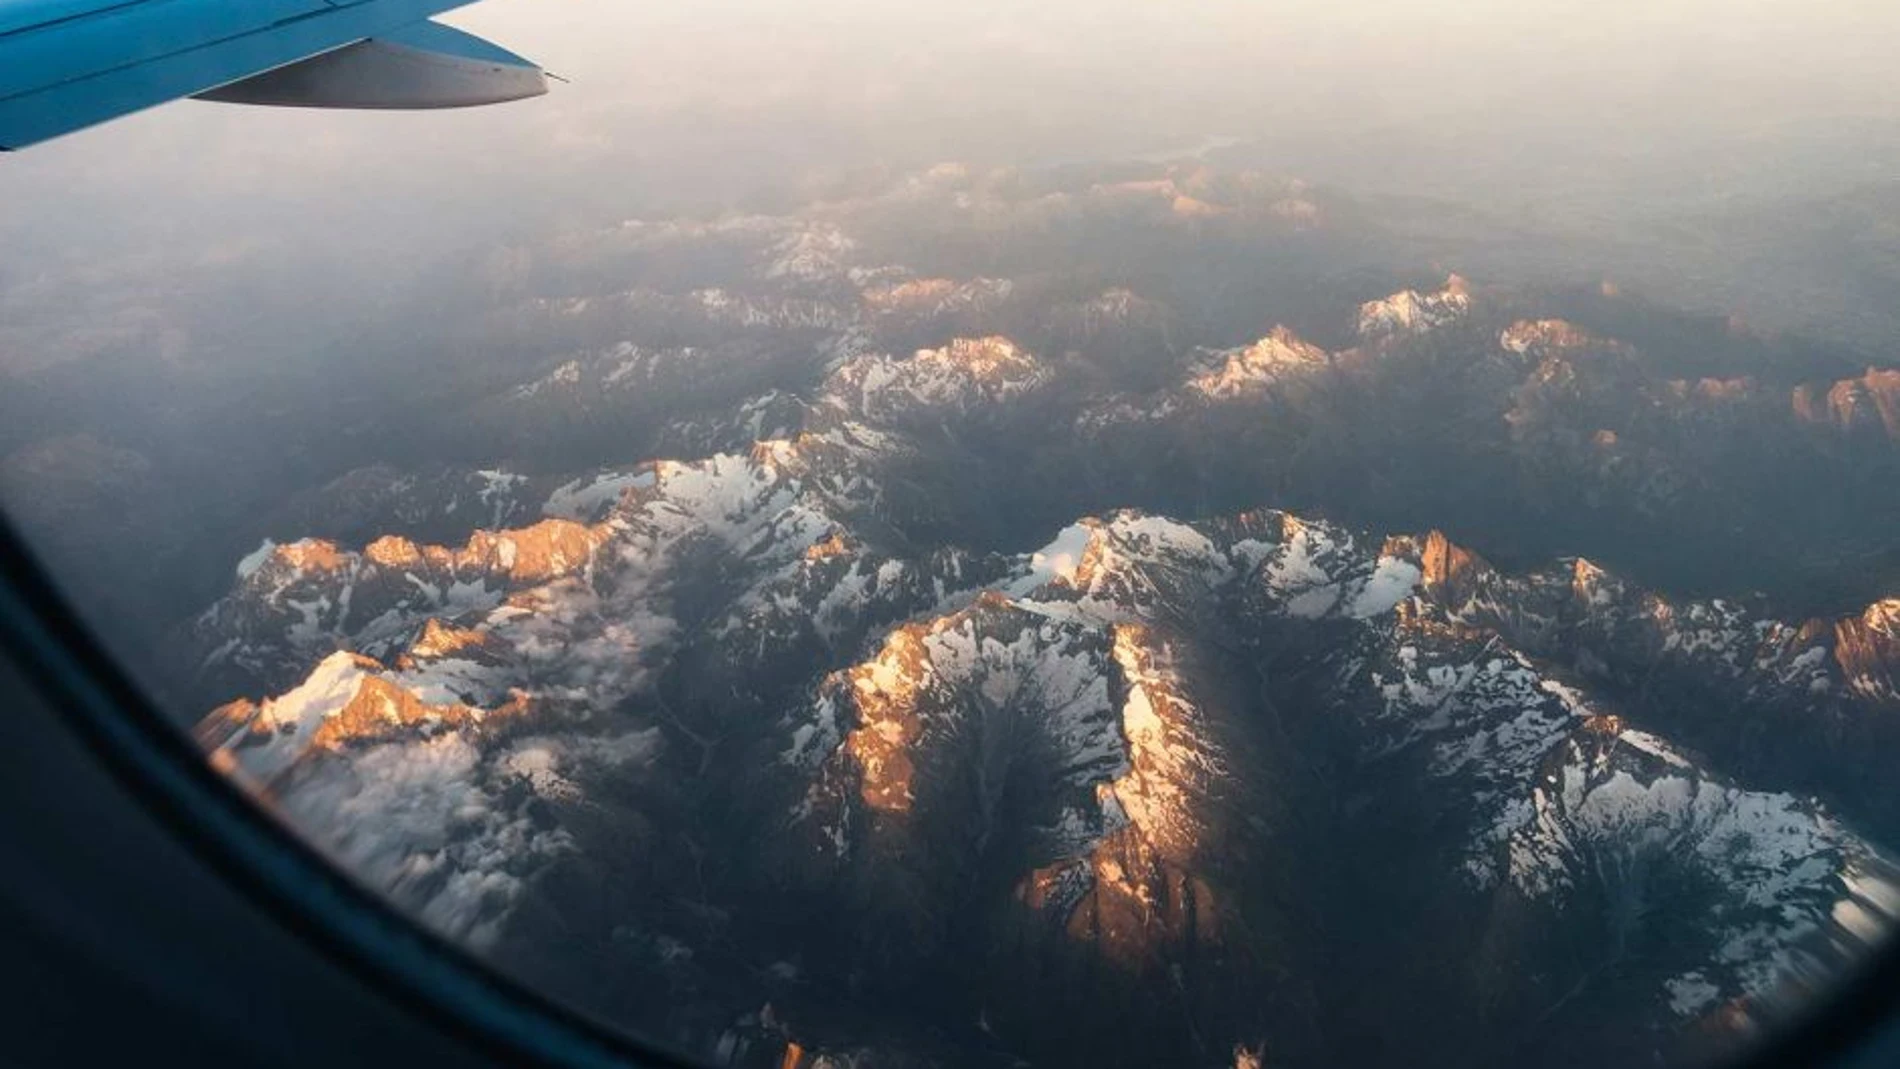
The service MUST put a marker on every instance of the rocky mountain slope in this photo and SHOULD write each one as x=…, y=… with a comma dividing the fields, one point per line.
x=798, y=750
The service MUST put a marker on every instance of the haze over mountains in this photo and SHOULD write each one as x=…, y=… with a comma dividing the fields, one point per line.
x=1338, y=534
x=1127, y=614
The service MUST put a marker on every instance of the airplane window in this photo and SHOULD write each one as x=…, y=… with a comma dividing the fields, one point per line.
x=976, y=534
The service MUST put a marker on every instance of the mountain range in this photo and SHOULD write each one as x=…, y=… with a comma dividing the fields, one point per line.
x=1094, y=616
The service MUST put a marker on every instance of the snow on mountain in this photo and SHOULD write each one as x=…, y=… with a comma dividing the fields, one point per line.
x=409, y=788
x=299, y=601
x=936, y=298
x=1622, y=817
x=589, y=498
x=818, y=253
x=962, y=376
x=1543, y=338
x=627, y=366
x=1067, y=750
x=1817, y=681
x=993, y=677
x=1251, y=371
x=1410, y=313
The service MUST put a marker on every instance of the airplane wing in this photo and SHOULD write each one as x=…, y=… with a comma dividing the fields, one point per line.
x=67, y=64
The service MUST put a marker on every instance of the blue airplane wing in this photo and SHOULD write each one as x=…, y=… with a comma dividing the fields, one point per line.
x=67, y=64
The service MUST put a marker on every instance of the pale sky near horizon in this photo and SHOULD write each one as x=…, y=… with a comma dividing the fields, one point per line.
x=710, y=105
x=1343, y=62
x=999, y=78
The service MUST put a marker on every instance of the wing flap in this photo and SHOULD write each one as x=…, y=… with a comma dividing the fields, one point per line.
x=423, y=66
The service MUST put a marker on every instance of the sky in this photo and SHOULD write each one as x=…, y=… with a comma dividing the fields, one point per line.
x=1619, y=106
